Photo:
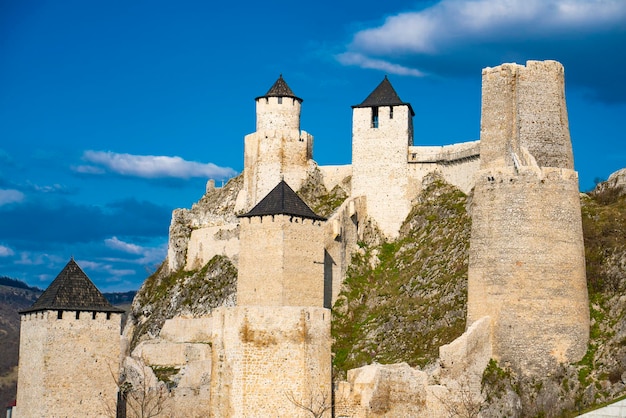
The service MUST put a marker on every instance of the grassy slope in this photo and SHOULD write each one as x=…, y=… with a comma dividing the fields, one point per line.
x=403, y=299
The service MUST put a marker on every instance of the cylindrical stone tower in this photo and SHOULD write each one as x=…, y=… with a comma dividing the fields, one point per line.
x=278, y=149
x=527, y=261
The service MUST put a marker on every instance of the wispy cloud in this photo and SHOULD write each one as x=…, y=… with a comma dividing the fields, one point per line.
x=149, y=166
x=458, y=37
x=29, y=258
x=6, y=251
x=126, y=247
x=352, y=58
x=148, y=254
x=10, y=196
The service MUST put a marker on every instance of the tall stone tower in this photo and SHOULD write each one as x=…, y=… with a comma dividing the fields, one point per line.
x=382, y=131
x=69, y=350
x=278, y=149
x=273, y=352
x=527, y=265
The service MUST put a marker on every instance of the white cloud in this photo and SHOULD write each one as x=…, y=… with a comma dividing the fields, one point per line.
x=351, y=58
x=6, y=251
x=149, y=255
x=10, y=196
x=88, y=169
x=455, y=23
x=457, y=38
x=126, y=247
x=149, y=166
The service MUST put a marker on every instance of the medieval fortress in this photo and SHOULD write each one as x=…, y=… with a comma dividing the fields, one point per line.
x=270, y=355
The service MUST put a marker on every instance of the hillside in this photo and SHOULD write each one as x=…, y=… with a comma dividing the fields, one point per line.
x=14, y=295
x=403, y=299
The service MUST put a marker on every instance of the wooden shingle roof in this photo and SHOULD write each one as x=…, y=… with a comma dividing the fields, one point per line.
x=72, y=291
x=282, y=200
x=280, y=89
x=384, y=95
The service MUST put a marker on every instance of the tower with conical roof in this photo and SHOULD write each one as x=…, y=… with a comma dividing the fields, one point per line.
x=69, y=350
x=281, y=262
x=273, y=350
x=382, y=131
x=278, y=149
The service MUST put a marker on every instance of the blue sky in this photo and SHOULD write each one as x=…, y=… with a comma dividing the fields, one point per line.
x=113, y=113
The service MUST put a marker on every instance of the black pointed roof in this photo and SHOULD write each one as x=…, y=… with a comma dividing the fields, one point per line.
x=384, y=95
x=280, y=89
x=282, y=200
x=72, y=291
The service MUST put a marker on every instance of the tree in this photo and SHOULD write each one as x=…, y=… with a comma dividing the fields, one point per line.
x=140, y=393
x=316, y=403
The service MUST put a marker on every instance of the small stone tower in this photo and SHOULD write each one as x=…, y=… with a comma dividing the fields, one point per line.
x=69, y=350
x=382, y=131
x=275, y=346
x=527, y=261
x=278, y=149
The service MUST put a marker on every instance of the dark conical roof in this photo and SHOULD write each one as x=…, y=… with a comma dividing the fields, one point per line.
x=282, y=200
x=280, y=89
x=72, y=291
x=384, y=95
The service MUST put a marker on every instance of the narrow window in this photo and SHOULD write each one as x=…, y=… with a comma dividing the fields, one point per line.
x=108, y=315
x=93, y=315
x=77, y=314
x=280, y=100
x=59, y=314
x=390, y=112
x=374, y=117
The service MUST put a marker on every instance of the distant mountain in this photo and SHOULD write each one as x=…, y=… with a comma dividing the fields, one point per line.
x=16, y=295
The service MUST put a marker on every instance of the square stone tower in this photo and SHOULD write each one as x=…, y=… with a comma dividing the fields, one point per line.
x=382, y=131
x=69, y=350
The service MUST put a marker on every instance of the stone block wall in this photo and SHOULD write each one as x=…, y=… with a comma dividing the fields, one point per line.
x=277, y=113
x=341, y=237
x=265, y=358
x=524, y=106
x=456, y=163
x=273, y=155
x=57, y=378
x=527, y=266
x=205, y=243
x=281, y=262
x=527, y=261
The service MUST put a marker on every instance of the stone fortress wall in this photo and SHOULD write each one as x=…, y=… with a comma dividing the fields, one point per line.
x=527, y=302
x=245, y=361
x=85, y=367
